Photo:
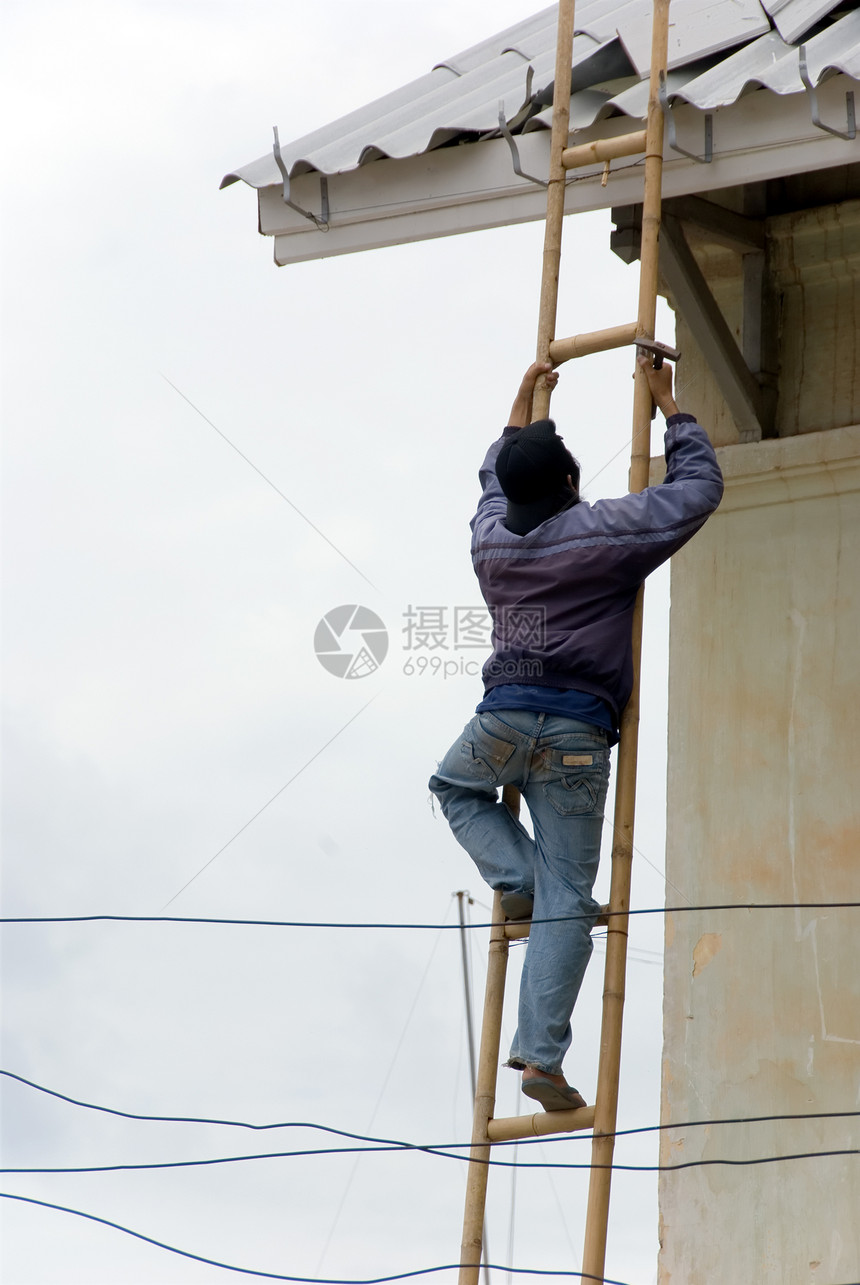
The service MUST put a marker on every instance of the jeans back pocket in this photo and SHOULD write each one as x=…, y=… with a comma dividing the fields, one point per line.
x=485, y=754
x=578, y=780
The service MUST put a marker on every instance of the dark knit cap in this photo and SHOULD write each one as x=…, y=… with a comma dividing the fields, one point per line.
x=533, y=467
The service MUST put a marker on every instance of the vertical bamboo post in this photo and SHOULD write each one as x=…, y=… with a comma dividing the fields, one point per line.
x=554, y=199
x=485, y=1100
x=606, y=1100
x=553, y=226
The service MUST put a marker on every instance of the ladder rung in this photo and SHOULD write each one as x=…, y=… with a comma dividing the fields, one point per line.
x=516, y=929
x=512, y=1127
x=596, y=341
x=603, y=149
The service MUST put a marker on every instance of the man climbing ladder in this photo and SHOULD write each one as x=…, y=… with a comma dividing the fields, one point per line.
x=561, y=577
x=586, y=670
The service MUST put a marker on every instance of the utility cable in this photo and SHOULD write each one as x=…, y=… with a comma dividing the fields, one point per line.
x=389, y=1073
x=429, y=1151
x=268, y=481
x=297, y=923
x=661, y=874
x=515, y=1164
x=277, y=1276
x=394, y=1143
x=311, y=1280
x=512, y=1213
x=276, y=795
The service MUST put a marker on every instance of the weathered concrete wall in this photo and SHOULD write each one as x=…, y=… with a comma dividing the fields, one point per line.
x=814, y=274
x=762, y=1008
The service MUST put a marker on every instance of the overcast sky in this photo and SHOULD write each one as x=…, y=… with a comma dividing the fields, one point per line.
x=161, y=688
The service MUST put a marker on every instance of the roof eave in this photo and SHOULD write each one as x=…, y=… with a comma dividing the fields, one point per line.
x=472, y=187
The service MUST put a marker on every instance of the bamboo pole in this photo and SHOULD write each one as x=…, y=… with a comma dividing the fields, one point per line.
x=485, y=1100
x=604, y=149
x=554, y=199
x=594, y=341
x=606, y=1101
x=476, y=1185
x=552, y=228
x=513, y=1127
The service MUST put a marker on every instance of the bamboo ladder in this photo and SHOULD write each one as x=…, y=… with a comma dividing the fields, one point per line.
x=601, y=1118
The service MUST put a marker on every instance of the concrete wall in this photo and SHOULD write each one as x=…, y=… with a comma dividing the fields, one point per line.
x=762, y=1008
x=814, y=302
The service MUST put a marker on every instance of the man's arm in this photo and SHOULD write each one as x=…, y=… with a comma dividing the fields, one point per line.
x=492, y=503
x=521, y=411
x=660, y=383
x=652, y=524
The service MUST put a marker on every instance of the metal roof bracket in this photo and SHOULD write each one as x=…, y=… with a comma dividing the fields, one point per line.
x=323, y=222
x=670, y=128
x=848, y=134
x=515, y=156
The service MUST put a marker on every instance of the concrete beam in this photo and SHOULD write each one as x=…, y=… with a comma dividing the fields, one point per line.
x=702, y=314
x=735, y=231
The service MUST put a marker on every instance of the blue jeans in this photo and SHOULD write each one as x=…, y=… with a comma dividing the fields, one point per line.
x=562, y=768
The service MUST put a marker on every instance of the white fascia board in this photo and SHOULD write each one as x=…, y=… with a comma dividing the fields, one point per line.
x=468, y=188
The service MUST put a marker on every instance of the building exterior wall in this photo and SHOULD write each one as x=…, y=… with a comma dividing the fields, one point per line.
x=762, y=1007
x=813, y=274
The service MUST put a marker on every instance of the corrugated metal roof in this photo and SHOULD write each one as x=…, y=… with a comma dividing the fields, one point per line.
x=718, y=52
x=767, y=63
x=794, y=18
x=771, y=63
x=697, y=29
x=532, y=37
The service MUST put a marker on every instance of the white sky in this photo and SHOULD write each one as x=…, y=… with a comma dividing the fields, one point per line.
x=159, y=675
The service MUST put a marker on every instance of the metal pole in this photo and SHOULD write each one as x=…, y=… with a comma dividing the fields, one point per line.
x=606, y=1100
x=467, y=991
x=467, y=986
x=485, y=1099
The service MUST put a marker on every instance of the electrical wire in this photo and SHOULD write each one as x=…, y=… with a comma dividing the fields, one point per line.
x=391, y=1064
x=270, y=483
x=515, y=1165
x=296, y=923
x=277, y=793
x=398, y=1144
x=635, y=954
x=424, y=1150
x=306, y=1280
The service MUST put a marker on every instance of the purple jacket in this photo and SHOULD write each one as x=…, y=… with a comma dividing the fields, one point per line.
x=562, y=596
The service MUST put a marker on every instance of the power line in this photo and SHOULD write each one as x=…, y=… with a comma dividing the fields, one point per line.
x=268, y=480
x=392, y=1061
x=444, y=1150
x=306, y=1280
x=424, y=1150
x=405, y=927
x=276, y=795
x=414, y=1146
